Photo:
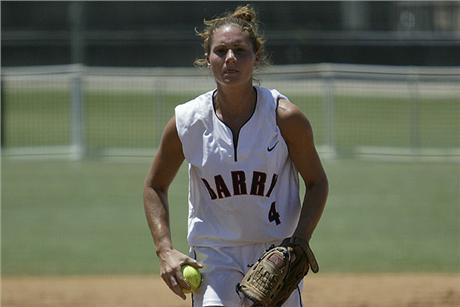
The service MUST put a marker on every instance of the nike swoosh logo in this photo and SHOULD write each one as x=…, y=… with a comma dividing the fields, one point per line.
x=273, y=147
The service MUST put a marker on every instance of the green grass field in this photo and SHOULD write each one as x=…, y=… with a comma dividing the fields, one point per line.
x=84, y=218
x=70, y=218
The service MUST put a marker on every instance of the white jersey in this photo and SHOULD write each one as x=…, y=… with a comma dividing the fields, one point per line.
x=243, y=189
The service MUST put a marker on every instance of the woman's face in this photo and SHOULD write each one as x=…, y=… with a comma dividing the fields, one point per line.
x=231, y=56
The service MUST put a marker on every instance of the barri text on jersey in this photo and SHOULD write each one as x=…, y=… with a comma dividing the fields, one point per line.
x=239, y=185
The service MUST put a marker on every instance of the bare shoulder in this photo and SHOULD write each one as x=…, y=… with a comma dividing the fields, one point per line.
x=291, y=120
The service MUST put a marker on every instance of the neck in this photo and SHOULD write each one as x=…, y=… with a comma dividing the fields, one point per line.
x=235, y=101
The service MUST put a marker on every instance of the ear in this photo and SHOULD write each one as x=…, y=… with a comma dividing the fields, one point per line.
x=206, y=55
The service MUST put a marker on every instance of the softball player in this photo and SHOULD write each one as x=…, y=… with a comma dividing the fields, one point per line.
x=245, y=146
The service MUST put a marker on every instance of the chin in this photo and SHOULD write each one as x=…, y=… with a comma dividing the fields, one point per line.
x=235, y=81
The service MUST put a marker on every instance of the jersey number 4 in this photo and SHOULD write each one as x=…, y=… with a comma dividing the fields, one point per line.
x=273, y=215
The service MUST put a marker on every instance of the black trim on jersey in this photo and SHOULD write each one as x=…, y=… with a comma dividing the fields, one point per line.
x=235, y=144
x=276, y=109
x=300, y=296
x=237, y=135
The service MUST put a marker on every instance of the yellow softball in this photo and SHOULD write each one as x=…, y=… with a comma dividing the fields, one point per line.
x=192, y=276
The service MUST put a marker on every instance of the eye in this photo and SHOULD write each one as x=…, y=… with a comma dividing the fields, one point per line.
x=220, y=51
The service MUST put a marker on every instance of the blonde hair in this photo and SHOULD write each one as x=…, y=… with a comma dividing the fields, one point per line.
x=243, y=17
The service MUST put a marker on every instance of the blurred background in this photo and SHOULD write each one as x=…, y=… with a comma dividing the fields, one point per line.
x=86, y=88
x=123, y=33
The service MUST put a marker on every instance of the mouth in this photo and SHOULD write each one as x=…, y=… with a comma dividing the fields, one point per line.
x=230, y=71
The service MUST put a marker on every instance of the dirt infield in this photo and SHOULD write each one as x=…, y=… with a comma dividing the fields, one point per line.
x=323, y=290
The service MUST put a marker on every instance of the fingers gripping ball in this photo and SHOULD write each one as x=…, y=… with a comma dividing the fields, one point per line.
x=192, y=276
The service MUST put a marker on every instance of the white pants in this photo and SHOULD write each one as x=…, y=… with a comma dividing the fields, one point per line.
x=224, y=267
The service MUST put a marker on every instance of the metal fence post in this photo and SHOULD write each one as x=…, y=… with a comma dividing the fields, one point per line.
x=160, y=88
x=2, y=115
x=414, y=110
x=77, y=138
x=327, y=77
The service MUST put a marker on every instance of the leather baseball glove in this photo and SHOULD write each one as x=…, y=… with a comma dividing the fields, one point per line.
x=277, y=273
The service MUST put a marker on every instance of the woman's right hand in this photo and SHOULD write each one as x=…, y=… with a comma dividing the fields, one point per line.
x=171, y=262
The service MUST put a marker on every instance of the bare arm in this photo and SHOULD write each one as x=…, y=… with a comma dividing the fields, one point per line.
x=164, y=168
x=298, y=134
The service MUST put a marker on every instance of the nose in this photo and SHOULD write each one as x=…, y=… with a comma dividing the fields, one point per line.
x=230, y=56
